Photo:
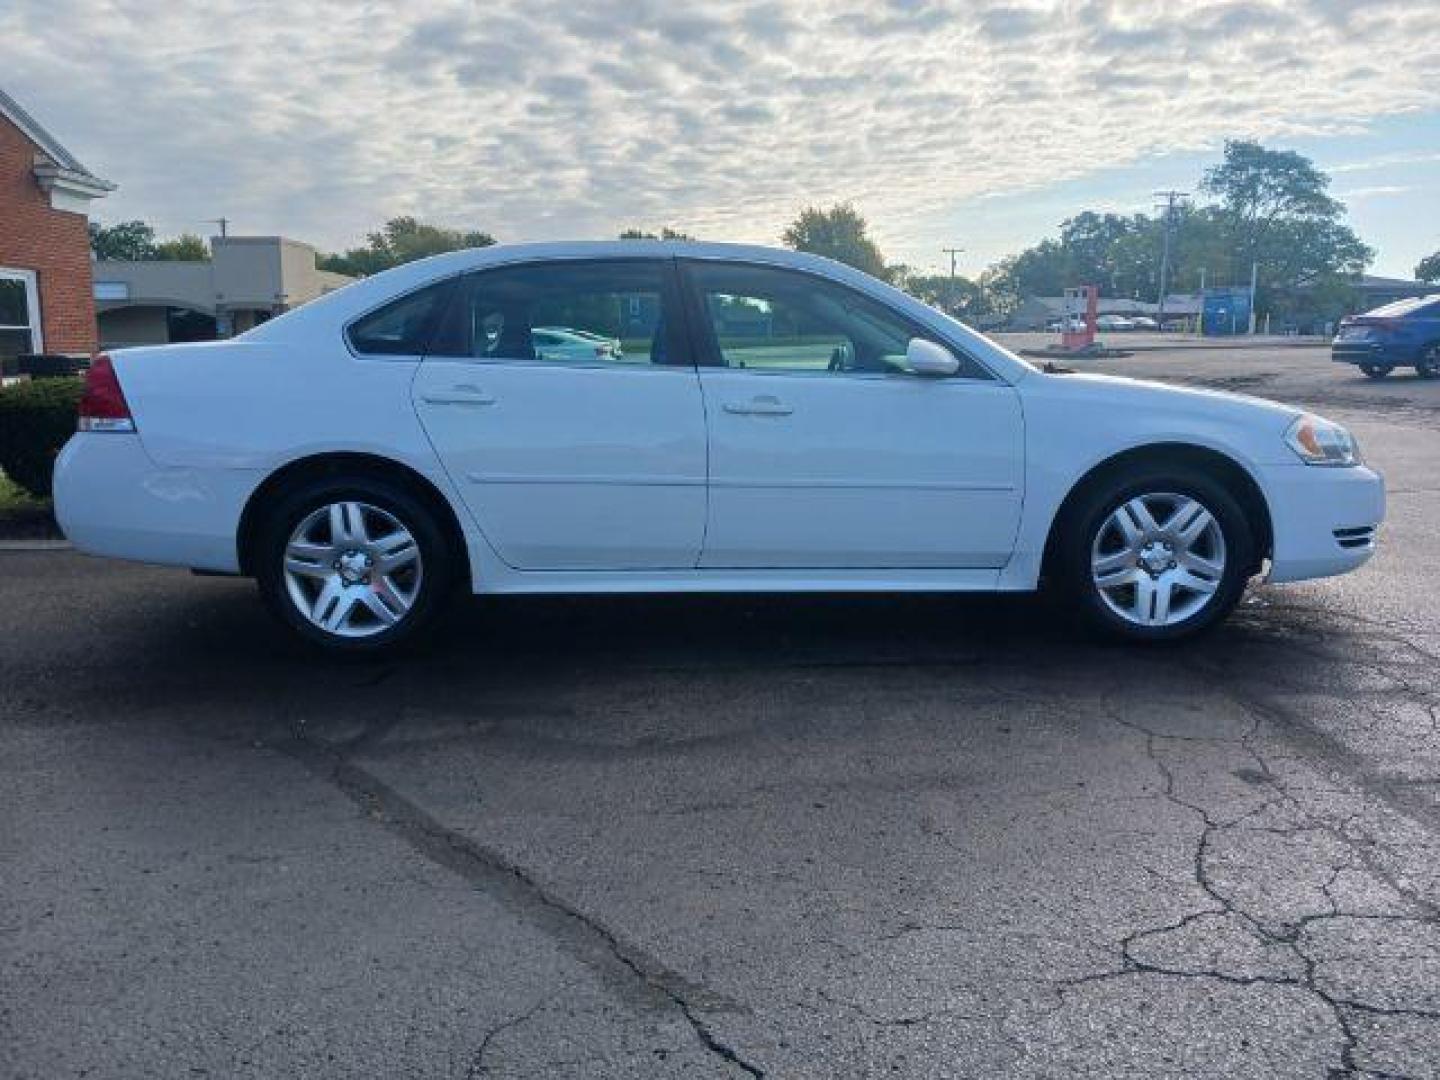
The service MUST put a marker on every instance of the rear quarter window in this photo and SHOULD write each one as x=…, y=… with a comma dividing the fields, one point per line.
x=402, y=327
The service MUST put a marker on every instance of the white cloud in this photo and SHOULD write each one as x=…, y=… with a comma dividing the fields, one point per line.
x=1376, y=191
x=1384, y=161
x=548, y=118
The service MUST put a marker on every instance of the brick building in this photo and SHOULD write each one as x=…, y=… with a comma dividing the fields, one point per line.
x=46, y=297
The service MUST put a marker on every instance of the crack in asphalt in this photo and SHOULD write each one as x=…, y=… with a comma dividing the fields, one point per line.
x=1291, y=937
x=478, y=1067
x=490, y=872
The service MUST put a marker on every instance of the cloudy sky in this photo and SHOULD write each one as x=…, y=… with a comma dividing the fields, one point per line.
x=974, y=122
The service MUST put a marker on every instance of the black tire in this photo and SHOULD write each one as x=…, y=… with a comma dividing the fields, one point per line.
x=1428, y=366
x=1376, y=371
x=437, y=559
x=1092, y=509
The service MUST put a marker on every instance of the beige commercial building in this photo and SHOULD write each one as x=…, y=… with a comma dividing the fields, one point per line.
x=247, y=280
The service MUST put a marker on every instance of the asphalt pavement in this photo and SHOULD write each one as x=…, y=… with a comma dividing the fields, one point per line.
x=730, y=836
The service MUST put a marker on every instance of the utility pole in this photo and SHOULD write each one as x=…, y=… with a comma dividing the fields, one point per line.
x=952, y=252
x=223, y=222
x=1171, y=202
x=954, y=299
x=1254, y=275
x=1200, y=316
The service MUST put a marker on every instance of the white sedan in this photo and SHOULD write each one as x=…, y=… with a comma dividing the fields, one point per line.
x=779, y=423
x=562, y=343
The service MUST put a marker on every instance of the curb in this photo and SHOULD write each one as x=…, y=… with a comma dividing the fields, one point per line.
x=36, y=545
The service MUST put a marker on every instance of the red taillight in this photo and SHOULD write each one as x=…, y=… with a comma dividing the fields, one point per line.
x=103, y=406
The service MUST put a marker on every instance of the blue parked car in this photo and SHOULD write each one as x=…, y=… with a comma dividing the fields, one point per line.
x=1403, y=334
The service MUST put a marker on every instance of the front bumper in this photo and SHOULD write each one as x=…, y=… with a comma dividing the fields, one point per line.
x=1382, y=353
x=1325, y=520
x=111, y=498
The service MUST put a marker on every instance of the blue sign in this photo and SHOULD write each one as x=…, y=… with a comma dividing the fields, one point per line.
x=1226, y=311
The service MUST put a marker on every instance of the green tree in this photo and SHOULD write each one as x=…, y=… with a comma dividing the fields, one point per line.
x=956, y=296
x=666, y=233
x=839, y=233
x=187, y=247
x=401, y=240
x=1274, y=208
x=1428, y=268
x=130, y=241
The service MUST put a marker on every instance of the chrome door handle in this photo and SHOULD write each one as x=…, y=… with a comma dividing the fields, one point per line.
x=459, y=395
x=759, y=406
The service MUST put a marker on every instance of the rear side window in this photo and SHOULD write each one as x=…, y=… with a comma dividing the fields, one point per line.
x=402, y=327
x=590, y=312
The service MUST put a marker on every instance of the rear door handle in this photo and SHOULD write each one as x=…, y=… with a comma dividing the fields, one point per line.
x=459, y=395
x=763, y=405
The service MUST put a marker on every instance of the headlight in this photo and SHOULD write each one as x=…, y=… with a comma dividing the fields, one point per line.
x=1319, y=442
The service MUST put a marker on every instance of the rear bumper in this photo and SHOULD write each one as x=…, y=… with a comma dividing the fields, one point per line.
x=1374, y=352
x=1325, y=520
x=112, y=499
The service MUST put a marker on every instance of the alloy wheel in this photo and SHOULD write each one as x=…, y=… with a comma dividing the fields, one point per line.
x=352, y=569
x=1158, y=559
x=1429, y=365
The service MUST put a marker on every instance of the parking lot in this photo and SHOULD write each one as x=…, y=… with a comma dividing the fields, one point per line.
x=790, y=837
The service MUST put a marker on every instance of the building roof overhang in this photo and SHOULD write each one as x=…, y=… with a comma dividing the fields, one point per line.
x=85, y=185
x=70, y=185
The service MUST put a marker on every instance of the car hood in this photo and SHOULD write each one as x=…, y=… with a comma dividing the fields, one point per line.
x=1197, y=399
x=1110, y=414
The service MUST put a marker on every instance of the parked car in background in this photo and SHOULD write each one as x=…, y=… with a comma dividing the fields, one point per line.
x=1114, y=323
x=1144, y=322
x=1405, y=333
x=1071, y=324
x=781, y=423
x=564, y=343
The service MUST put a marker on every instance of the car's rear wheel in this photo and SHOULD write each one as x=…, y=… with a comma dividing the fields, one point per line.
x=1376, y=371
x=355, y=564
x=1157, y=557
x=1429, y=365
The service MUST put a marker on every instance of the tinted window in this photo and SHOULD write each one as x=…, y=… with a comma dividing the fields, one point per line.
x=562, y=313
x=769, y=319
x=402, y=327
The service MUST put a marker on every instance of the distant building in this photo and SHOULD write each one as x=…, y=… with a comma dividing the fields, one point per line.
x=1375, y=290
x=45, y=197
x=247, y=280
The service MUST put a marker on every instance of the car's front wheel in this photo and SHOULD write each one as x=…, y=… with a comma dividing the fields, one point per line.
x=356, y=564
x=1157, y=557
x=1376, y=371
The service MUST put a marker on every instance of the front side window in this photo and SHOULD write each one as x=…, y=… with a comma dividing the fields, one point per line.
x=19, y=314
x=770, y=319
x=562, y=313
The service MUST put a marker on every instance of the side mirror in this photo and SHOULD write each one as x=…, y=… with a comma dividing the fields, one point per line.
x=927, y=358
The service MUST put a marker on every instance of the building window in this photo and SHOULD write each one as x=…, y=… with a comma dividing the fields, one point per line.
x=19, y=314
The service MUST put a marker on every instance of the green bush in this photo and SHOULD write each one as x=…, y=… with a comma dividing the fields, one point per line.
x=36, y=418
